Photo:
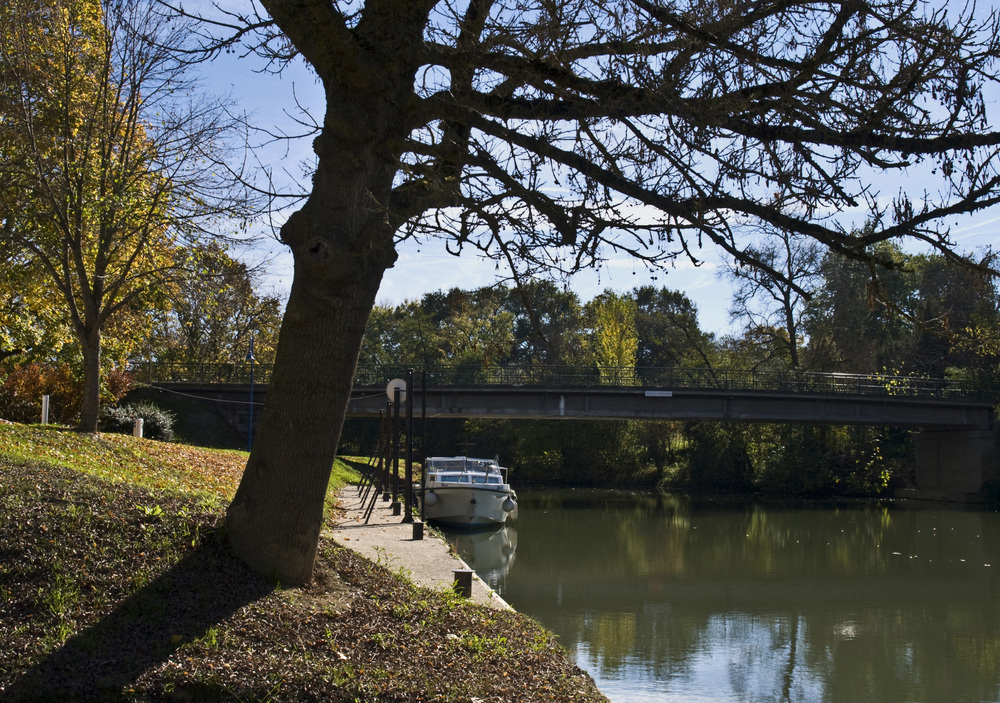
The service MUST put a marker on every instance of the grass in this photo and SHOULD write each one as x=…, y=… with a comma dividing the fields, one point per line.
x=116, y=585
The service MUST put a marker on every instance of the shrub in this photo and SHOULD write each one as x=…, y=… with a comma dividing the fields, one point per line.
x=22, y=388
x=157, y=423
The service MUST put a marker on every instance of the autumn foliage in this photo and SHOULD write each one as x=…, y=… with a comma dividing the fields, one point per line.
x=22, y=388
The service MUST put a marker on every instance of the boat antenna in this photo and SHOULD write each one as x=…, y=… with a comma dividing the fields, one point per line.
x=465, y=456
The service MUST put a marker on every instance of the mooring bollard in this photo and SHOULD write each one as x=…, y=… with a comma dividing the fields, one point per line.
x=463, y=582
x=418, y=530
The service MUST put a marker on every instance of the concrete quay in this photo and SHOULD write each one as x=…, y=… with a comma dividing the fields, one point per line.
x=386, y=540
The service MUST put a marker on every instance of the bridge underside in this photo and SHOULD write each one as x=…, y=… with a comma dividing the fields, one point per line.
x=956, y=450
x=646, y=404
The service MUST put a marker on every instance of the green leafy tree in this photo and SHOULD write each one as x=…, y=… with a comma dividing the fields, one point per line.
x=550, y=135
x=614, y=343
x=856, y=322
x=477, y=329
x=668, y=332
x=913, y=316
x=548, y=324
x=404, y=334
x=104, y=167
x=953, y=305
x=454, y=327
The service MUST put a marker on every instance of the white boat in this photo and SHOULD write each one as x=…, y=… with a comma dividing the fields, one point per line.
x=461, y=491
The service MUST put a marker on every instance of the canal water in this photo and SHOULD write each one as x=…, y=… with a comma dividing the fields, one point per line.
x=667, y=598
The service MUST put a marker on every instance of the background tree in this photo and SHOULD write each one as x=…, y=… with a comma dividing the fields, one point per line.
x=551, y=134
x=855, y=322
x=614, y=343
x=404, y=334
x=950, y=303
x=668, y=332
x=772, y=305
x=912, y=317
x=211, y=308
x=548, y=324
x=111, y=169
x=473, y=326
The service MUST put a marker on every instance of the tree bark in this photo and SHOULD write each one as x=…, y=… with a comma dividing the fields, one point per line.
x=90, y=405
x=342, y=243
x=277, y=513
x=275, y=517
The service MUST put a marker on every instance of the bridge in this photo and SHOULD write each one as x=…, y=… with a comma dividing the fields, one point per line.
x=956, y=448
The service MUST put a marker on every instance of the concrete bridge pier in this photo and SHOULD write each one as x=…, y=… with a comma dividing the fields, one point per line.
x=955, y=464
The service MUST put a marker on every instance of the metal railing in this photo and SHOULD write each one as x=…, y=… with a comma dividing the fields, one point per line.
x=153, y=372
x=592, y=377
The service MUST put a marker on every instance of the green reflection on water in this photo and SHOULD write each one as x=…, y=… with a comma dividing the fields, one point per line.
x=668, y=598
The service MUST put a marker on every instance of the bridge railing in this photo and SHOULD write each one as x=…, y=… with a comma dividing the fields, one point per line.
x=680, y=378
x=592, y=376
x=183, y=372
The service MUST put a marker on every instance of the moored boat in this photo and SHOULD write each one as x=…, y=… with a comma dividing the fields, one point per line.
x=460, y=491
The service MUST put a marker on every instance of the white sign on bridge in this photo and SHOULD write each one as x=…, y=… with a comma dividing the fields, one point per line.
x=390, y=389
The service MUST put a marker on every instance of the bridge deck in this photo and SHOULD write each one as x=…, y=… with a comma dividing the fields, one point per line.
x=686, y=404
x=643, y=394
x=560, y=377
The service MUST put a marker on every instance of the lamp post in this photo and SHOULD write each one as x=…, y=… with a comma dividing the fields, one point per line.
x=250, y=430
x=408, y=501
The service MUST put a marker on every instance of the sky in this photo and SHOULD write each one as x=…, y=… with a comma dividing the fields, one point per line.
x=428, y=267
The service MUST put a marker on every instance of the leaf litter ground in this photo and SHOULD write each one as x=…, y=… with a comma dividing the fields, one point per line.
x=110, y=592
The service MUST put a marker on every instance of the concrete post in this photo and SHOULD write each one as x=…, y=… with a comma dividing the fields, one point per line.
x=463, y=582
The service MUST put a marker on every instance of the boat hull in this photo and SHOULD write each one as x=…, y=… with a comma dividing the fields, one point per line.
x=467, y=506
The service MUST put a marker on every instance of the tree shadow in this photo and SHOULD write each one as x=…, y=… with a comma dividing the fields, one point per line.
x=205, y=588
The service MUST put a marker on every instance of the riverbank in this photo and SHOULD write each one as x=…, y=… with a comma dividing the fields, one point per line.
x=376, y=533
x=114, y=591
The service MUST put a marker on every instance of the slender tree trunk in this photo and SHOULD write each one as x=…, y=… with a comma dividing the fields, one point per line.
x=793, y=342
x=90, y=406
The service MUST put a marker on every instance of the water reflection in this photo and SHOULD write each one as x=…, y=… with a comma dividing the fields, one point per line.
x=489, y=552
x=665, y=598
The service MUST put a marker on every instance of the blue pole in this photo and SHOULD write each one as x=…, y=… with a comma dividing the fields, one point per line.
x=250, y=430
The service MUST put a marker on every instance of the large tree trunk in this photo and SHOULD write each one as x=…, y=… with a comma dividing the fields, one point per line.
x=342, y=244
x=277, y=513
